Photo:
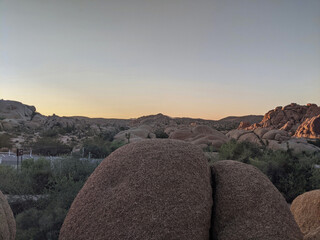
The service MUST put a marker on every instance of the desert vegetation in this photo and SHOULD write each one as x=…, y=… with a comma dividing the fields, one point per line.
x=45, y=189
x=41, y=193
x=293, y=174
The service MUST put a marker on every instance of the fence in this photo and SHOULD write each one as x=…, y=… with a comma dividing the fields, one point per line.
x=10, y=158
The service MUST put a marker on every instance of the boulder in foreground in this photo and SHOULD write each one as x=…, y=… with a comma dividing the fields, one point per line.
x=153, y=189
x=248, y=206
x=306, y=211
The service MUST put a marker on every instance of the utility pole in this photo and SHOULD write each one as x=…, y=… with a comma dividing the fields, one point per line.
x=19, y=153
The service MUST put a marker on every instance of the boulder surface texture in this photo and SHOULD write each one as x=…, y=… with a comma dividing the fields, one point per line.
x=153, y=189
x=306, y=211
x=248, y=206
x=7, y=222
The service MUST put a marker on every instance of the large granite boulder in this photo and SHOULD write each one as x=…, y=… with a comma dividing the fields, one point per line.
x=248, y=206
x=7, y=222
x=306, y=211
x=154, y=189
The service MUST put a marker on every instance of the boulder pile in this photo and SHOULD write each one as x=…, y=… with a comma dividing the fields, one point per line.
x=274, y=139
x=290, y=118
x=310, y=128
x=164, y=189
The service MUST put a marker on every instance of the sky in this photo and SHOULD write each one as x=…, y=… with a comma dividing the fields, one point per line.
x=125, y=59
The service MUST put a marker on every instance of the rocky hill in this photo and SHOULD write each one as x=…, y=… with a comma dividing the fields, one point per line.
x=25, y=125
x=297, y=120
x=279, y=128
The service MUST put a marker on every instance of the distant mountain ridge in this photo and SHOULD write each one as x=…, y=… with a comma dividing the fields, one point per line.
x=18, y=112
x=24, y=127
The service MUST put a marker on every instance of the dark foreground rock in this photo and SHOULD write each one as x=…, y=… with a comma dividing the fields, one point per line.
x=156, y=189
x=7, y=222
x=248, y=206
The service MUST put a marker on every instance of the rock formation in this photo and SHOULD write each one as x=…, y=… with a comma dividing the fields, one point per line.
x=306, y=211
x=274, y=139
x=16, y=110
x=136, y=134
x=156, y=189
x=310, y=128
x=199, y=135
x=286, y=118
x=248, y=206
x=7, y=222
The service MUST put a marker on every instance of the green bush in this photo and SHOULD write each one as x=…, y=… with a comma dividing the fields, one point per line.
x=48, y=146
x=100, y=148
x=160, y=133
x=292, y=174
x=59, y=182
x=315, y=142
x=38, y=172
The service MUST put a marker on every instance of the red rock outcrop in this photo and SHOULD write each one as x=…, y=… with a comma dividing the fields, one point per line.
x=286, y=118
x=244, y=125
x=152, y=189
x=310, y=128
x=248, y=206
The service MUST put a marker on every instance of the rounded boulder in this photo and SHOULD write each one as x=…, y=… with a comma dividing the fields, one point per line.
x=306, y=211
x=153, y=189
x=248, y=206
x=7, y=222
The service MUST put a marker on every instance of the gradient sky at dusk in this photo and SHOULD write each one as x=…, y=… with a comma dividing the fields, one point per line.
x=116, y=58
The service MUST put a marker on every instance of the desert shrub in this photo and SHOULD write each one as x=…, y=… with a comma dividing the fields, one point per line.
x=5, y=141
x=160, y=133
x=50, y=133
x=100, y=148
x=114, y=145
x=108, y=135
x=13, y=182
x=315, y=142
x=209, y=148
x=42, y=219
x=28, y=224
x=292, y=174
x=240, y=151
x=48, y=146
x=38, y=172
x=97, y=147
